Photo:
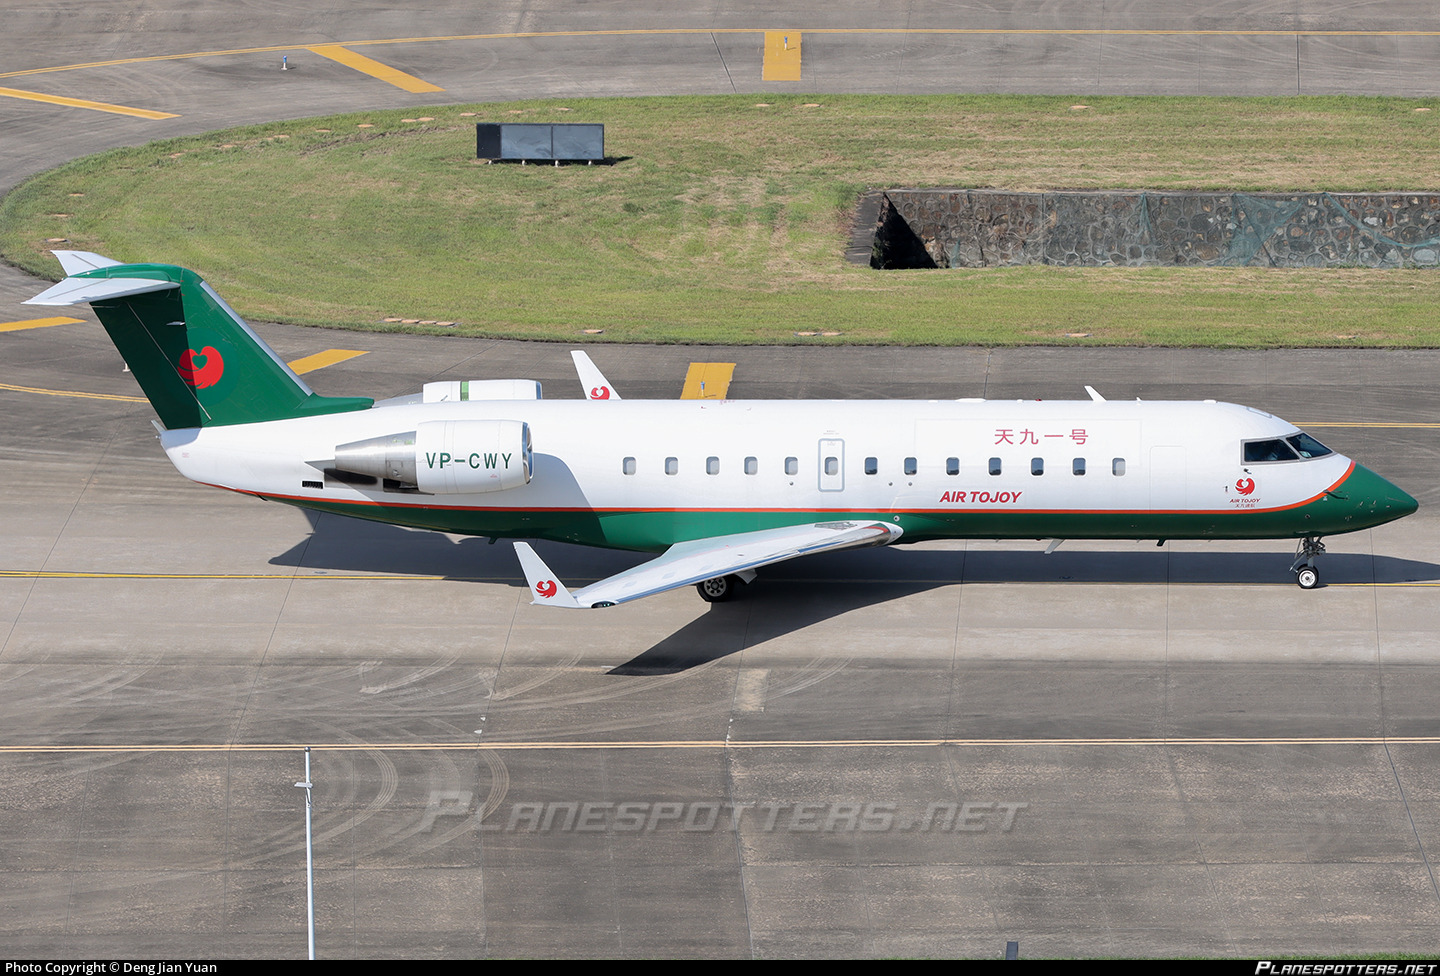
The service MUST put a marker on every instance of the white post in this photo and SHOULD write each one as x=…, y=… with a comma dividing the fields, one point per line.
x=309, y=858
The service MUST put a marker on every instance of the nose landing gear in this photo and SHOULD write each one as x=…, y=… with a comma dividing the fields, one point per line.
x=1306, y=575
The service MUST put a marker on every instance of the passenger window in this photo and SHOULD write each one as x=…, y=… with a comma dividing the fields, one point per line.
x=628, y=466
x=994, y=465
x=952, y=465
x=1037, y=465
x=712, y=465
x=751, y=465
x=1117, y=467
x=910, y=467
x=871, y=465
x=672, y=466
x=1078, y=466
x=792, y=466
x=832, y=466
x=1258, y=452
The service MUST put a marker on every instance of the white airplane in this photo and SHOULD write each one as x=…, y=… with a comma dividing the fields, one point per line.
x=718, y=489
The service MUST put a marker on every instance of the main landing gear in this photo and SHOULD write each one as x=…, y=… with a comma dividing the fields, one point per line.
x=1306, y=575
x=722, y=588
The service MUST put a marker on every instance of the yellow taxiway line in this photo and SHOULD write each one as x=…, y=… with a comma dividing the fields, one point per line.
x=305, y=364
x=707, y=381
x=308, y=364
x=71, y=393
x=36, y=323
x=729, y=744
x=394, y=76
x=1373, y=426
x=404, y=578
x=51, y=574
x=782, y=56
x=139, y=113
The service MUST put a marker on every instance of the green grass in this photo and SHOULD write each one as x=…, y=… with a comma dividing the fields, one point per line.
x=724, y=221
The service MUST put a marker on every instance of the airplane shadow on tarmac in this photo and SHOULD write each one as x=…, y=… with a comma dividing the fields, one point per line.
x=794, y=595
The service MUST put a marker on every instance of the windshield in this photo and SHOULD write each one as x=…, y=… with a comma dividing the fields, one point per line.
x=1307, y=446
x=1296, y=447
x=1271, y=450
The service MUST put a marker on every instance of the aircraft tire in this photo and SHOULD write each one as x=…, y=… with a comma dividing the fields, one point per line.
x=1308, y=577
x=717, y=590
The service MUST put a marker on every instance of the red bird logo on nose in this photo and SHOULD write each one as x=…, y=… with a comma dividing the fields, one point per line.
x=600, y=393
x=207, y=372
x=546, y=589
x=1245, y=485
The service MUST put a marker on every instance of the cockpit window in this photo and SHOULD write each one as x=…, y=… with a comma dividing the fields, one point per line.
x=1275, y=450
x=1307, y=446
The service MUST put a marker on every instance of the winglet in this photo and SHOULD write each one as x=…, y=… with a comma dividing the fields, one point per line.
x=597, y=387
x=544, y=587
x=1093, y=395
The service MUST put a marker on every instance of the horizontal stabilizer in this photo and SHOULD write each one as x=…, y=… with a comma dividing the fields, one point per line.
x=597, y=387
x=76, y=262
x=79, y=291
x=686, y=563
x=198, y=362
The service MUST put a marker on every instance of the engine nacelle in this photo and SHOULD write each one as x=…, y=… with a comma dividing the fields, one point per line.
x=443, y=391
x=446, y=457
x=459, y=457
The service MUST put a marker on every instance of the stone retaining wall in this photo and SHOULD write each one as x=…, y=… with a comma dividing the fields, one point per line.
x=988, y=228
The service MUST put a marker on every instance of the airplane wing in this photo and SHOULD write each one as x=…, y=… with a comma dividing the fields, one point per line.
x=597, y=387
x=692, y=562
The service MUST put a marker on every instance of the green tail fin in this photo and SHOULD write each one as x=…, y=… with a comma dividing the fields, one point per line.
x=198, y=362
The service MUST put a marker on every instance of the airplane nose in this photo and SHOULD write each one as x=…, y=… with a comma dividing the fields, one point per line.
x=1403, y=503
x=1383, y=500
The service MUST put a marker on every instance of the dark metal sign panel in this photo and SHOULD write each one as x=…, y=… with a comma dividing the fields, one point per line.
x=517, y=140
x=526, y=142
x=579, y=141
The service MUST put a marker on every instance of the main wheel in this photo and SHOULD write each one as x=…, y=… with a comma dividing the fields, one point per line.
x=1308, y=577
x=717, y=590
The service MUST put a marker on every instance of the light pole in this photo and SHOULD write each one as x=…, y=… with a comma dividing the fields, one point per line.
x=309, y=860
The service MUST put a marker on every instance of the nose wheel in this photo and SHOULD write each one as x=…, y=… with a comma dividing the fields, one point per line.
x=1307, y=576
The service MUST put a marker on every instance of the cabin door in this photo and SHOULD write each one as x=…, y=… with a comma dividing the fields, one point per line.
x=1168, y=477
x=832, y=464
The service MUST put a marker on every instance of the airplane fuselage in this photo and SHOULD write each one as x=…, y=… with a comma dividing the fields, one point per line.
x=644, y=475
x=719, y=488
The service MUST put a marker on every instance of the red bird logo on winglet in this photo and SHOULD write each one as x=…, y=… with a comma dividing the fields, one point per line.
x=207, y=373
x=546, y=589
x=600, y=393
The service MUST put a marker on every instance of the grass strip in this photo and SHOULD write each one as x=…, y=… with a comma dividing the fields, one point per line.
x=724, y=219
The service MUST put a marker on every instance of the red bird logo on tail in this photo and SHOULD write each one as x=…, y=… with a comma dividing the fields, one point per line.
x=546, y=589
x=600, y=393
x=207, y=373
